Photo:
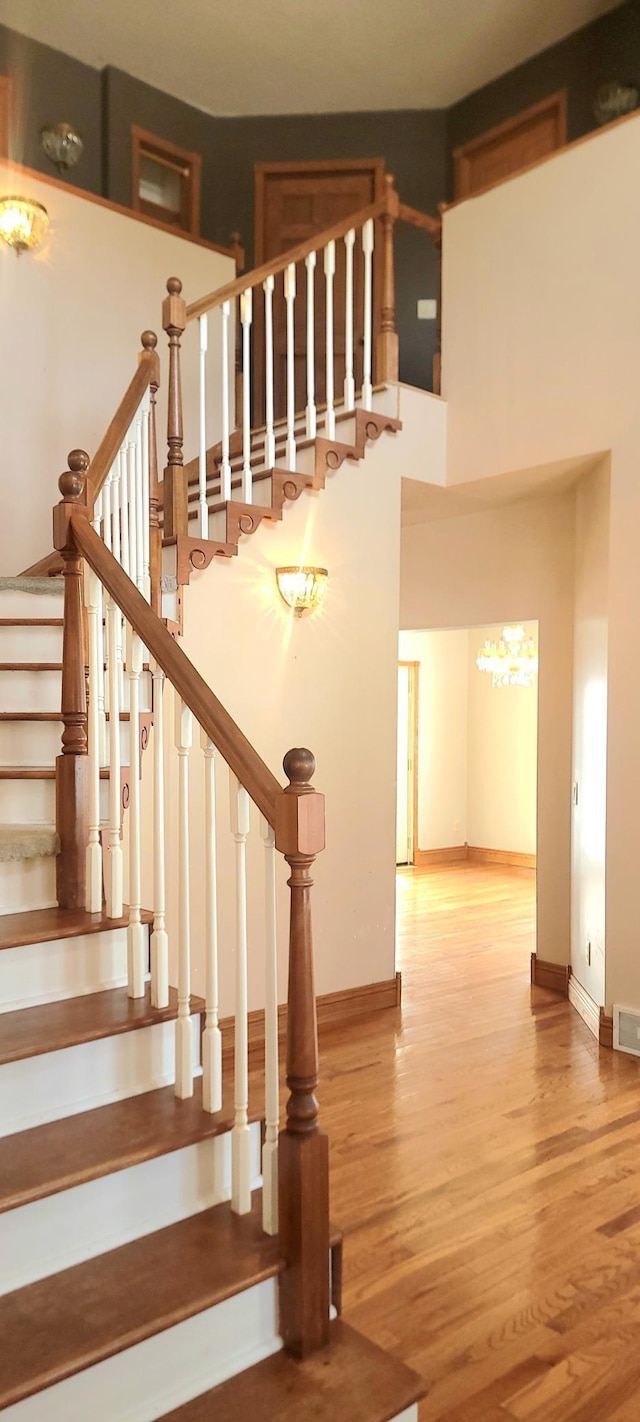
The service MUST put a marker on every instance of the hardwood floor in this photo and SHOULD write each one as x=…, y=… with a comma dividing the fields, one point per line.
x=485, y=1159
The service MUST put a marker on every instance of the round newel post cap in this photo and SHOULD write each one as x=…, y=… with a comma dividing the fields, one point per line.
x=148, y=340
x=174, y=286
x=71, y=483
x=299, y=766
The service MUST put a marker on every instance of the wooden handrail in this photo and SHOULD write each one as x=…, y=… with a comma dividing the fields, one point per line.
x=279, y=264
x=147, y=373
x=243, y=760
x=432, y=225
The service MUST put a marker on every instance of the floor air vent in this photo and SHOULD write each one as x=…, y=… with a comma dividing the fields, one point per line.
x=626, y=1030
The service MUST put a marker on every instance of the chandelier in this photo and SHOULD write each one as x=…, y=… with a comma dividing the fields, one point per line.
x=513, y=661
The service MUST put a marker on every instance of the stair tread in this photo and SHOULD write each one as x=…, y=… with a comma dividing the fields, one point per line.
x=58, y=1326
x=61, y=1154
x=30, y=666
x=31, y=622
x=30, y=716
x=48, y=925
x=352, y=1379
x=40, y=772
x=32, y=1031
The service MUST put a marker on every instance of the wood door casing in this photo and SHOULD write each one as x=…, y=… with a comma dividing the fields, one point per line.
x=293, y=202
x=511, y=146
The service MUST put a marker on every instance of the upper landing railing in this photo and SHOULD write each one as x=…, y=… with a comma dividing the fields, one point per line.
x=313, y=327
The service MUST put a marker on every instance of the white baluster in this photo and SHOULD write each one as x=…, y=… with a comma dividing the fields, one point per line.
x=349, y=380
x=139, y=504
x=159, y=937
x=125, y=511
x=290, y=296
x=93, y=891
x=107, y=531
x=114, y=876
x=212, y=1037
x=116, y=536
x=367, y=248
x=203, y=510
x=329, y=274
x=246, y=317
x=269, y=438
x=136, y=934
x=225, y=467
x=146, y=572
x=133, y=506
x=184, y=1026
x=311, y=418
x=271, y=1070
x=240, y=1136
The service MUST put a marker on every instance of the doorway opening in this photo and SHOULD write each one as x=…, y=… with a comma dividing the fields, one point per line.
x=466, y=809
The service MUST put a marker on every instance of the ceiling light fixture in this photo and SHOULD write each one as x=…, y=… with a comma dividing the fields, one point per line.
x=513, y=661
x=23, y=223
x=62, y=144
x=302, y=588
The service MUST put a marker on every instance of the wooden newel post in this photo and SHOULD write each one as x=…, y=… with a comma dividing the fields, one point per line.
x=72, y=766
x=388, y=339
x=149, y=341
x=174, y=320
x=304, y=1152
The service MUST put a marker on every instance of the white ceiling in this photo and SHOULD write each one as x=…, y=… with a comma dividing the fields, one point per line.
x=305, y=56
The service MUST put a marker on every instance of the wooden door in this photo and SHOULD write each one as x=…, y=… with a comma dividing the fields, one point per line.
x=293, y=202
x=512, y=146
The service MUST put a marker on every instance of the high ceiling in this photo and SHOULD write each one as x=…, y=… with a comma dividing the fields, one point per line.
x=305, y=56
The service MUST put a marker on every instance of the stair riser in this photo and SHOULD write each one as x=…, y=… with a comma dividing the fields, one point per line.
x=58, y=1084
x=21, y=604
x=27, y=884
x=37, y=743
x=49, y=1235
x=30, y=690
x=153, y=1377
x=31, y=644
x=33, y=802
x=29, y=742
x=68, y=967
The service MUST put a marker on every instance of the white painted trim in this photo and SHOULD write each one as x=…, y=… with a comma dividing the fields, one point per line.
x=585, y=1005
x=154, y=1377
x=49, y=1235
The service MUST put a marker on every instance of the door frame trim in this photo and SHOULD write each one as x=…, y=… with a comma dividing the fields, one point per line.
x=554, y=103
x=414, y=727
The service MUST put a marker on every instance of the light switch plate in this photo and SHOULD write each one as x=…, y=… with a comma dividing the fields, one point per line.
x=427, y=309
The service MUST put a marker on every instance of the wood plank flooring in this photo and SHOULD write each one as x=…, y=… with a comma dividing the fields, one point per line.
x=485, y=1159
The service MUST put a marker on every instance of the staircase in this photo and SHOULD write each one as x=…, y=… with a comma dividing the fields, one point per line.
x=165, y=1247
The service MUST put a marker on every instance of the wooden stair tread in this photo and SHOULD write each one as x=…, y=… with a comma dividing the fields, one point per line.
x=30, y=666
x=31, y=716
x=31, y=622
x=50, y=924
x=32, y=1031
x=351, y=1379
x=58, y=1326
x=62, y=1154
x=40, y=772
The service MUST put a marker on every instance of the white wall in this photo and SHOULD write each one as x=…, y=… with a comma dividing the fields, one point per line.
x=502, y=754
x=589, y=824
x=328, y=682
x=72, y=314
x=477, y=745
x=442, y=734
x=540, y=290
x=459, y=571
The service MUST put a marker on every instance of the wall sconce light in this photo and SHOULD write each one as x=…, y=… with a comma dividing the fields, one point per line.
x=23, y=223
x=302, y=588
x=62, y=144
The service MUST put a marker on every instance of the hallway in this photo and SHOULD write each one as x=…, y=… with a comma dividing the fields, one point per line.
x=485, y=1158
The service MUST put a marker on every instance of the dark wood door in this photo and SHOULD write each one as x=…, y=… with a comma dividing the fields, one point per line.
x=292, y=204
x=511, y=146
